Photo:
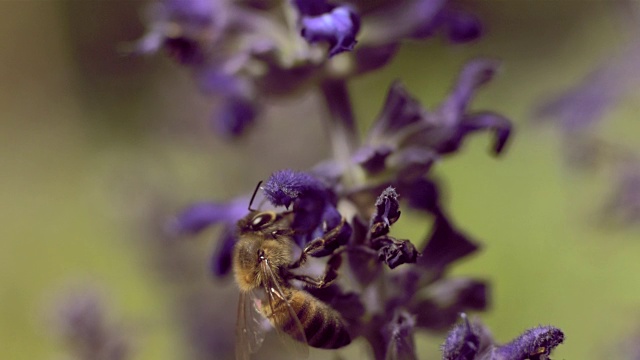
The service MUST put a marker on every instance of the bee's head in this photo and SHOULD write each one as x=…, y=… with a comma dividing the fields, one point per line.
x=261, y=220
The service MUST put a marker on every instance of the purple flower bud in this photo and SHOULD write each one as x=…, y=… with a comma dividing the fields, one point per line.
x=387, y=212
x=461, y=26
x=399, y=336
x=536, y=343
x=234, y=116
x=286, y=186
x=462, y=342
x=394, y=252
x=337, y=27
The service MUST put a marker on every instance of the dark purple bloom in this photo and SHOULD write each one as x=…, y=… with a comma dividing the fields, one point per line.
x=394, y=252
x=234, y=116
x=419, y=137
x=463, y=343
x=387, y=212
x=584, y=104
x=536, y=343
x=82, y=321
x=313, y=203
x=338, y=27
x=221, y=259
x=286, y=186
x=461, y=27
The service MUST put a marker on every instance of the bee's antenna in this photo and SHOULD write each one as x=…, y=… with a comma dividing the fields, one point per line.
x=254, y=195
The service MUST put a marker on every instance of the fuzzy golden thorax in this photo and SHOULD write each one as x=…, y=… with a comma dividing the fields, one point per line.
x=263, y=237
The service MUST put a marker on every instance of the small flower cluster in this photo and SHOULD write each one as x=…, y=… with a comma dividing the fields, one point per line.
x=473, y=341
x=242, y=52
x=579, y=110
x=391, y=165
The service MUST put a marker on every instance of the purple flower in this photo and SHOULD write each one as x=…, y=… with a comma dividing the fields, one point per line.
x=463, y=342
x=338, y=27
x=536, y=343
x=286, y=186
x=387, y=212
x=200, y=216
x=472, y=341
x=394, y=21
x=394, y=252
x=408, y=139
x=81, y=320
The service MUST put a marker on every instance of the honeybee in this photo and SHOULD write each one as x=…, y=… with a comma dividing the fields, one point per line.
x=262, y=261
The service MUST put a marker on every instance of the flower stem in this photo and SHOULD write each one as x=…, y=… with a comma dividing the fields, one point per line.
x=341, y=126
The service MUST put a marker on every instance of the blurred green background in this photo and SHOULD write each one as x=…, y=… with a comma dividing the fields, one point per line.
x=89, y=138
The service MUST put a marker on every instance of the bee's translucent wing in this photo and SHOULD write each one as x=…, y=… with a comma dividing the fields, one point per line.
x=283, y=316
x=250, y=329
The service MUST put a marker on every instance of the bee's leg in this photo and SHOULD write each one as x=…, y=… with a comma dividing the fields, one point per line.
x=318, y=244
x=330, y=273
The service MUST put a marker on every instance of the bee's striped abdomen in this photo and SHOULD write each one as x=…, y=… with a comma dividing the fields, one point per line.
x=323, y=326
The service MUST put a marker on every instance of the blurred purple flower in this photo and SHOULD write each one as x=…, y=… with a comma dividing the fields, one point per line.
x=623, y=205
x=81, y=320
x=338, y=28
x=248, y=41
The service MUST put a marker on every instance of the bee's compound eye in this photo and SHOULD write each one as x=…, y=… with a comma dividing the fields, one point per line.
x=262, y=219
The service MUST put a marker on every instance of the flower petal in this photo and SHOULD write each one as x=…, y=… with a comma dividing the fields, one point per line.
x=445, y=245
x=221, y=259
x=234, y=116
x=444, y=300
x=197, y=217
x=337, y=27
x=462, y=342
